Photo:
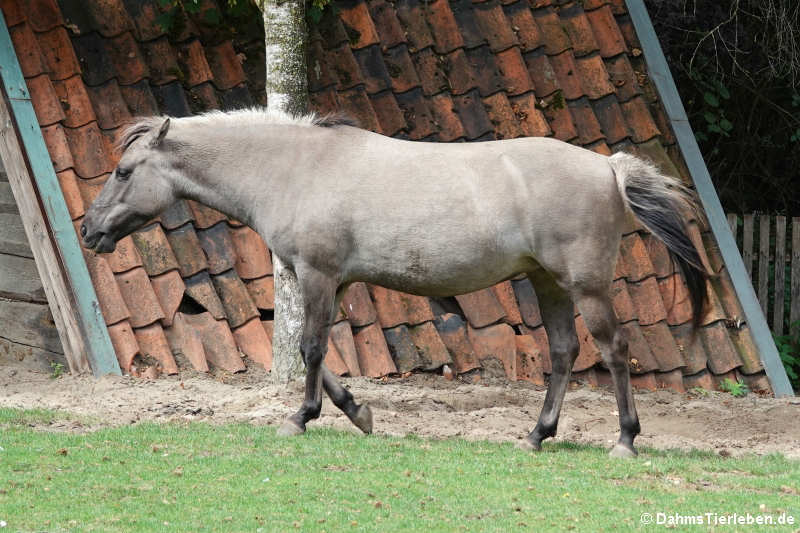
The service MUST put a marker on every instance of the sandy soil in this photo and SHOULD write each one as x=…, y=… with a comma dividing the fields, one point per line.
x=425, y=405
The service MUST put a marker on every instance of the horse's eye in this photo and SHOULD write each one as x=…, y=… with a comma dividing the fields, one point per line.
x=123, y=174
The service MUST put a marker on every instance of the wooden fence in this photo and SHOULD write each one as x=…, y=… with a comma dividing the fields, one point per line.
x=772, y=259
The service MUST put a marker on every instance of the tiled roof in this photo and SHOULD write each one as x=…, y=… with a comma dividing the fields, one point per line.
x=196, y=286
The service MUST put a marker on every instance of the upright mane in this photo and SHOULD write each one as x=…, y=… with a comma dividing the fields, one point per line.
x=254, y=115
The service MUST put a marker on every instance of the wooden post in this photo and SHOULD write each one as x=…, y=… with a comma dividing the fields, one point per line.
x=794, y=311
x=747, y=244
x=47, y=224
x=733, y=222
x=780, y=274
x=763, y=262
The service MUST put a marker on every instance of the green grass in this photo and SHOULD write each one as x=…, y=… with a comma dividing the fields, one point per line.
x=238, y=477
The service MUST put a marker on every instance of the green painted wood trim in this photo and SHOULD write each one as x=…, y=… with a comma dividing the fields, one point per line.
x=101, y=355
x=662, y=78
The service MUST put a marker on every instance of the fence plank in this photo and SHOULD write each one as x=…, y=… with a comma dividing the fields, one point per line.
x=794, y=311
x=733, y=221
x=780, y=274
x=747, y=244
x=763, y=262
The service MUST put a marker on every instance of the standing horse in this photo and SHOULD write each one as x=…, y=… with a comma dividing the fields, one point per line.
x=337, y=204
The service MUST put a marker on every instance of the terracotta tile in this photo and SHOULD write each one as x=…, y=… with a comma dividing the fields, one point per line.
x=324, y=101
x=504, y=293
x=418, y=309
x=502, y=116
x=467, y=21
x=342, y=337
x=663, y=264
x=473, y=115
x=45, y=100
x=401, y=346
x=541, y=72
x=204, y=216
x=412, y=16
x=600, y=147
x=239, y=307
x=252, y=256
x=91, y=188
x=203, y=98
x=713, y=310
x=355, y=102
x=702, y=379
x=431, y=69
x=629, y=33
x=577, y=27
x=357, y=305
x=136, y=290
x=155, y=250
x=639, y=120
x=140, y=99
x=187, y=250
x=153, y=344
x=566, y=75
x=594, y=77
x=443, y=26
x=606, y=32
x=416, y=113
x=513, y=71
x=374, y=358
x=644, y=381
x=718, y=379
x=494, y=26
x=670, y=380
x=697, y=239
x=31, y=60
x=13, y=12
x=127, y=58
x=623, y=77
x=676, y=300
x=56, y=141
x=640, y=355
x=109, y=17
x=72, y=194
x=400, y=69
x=319, y=75
x=218, y=342
x=528, y=303
x=529, y=366
x=585, y=121
x=333, y=360
x=125, y=256
x=539, y=337
x=161, y=61
x=450, y=127
x=662, y=123
x=269, y=327
x=389, y=306
x=726, y=294
x=531, y=120
x=172, y=99
x=109, y=105
x=193, y=64
x=112, y=305
x=186, y=341
x=87, y=144
x=745, y=346
x=144, y=15
x=523, y=25
x=358, y=24
x=429, y=346
x=225, y=65
x=618, y=7
x=59, y=56
x=262, y=291
x=124, y=342
x=390, y=116
x=460, y=76
x=389, y=30
x=453, y=332
x=342, y=62
x=689, y=343
x=589, y=354
x=201, y=290
x=646, y=298
x=663, y=346
x=373, y=69
x=623, y=305
x=560, y=120
x=637, y=261
x=717, y=342
x=554, y=38
x=612, y=120
x=487, y=75
x=481, y=307
x=252, y=340
x=758, y=383
x=169, y=289
x=497, y=342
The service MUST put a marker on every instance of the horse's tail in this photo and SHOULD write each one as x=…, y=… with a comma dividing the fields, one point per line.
x=661, y=204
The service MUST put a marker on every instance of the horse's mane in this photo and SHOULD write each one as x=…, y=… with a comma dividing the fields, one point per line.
x=255, y=115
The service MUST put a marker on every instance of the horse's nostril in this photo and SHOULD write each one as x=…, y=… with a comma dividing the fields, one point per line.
x=83, y=230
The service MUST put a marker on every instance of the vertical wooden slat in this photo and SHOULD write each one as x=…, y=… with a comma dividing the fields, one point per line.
x=747, y=244
x=780, y=274
x=733, y=221
x=794, y=311
x=763, y=262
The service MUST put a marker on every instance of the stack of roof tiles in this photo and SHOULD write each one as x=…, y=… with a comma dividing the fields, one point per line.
x=196, y=283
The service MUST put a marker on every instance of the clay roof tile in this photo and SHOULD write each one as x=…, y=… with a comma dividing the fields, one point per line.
x=31, y=60
x=109, y=17
x=496, y=342
x=389, y=306
x=472, y=114
x=611, y=118
x=401, y=346
x=388, y=26
x=218, y=342
x=193, y=64
x=13, y=12
x=642, y=359
x=453, y=332
x=155, y=250
x=531, y=119
x=689, y=343
x=140, y=99
x=487, y=75
x=161, y=61
x=342, y=62
x=125, y=256
x=95, y=60
x=45, y=100
x=186, y=341
x=460, y=76
x=623, y=305
x=356, y=103
x=262, y=291
x=374, y=359
x=124, y=342
x=89, y=151
x=560, y=119
x=252, y=256
x=429, y=346
x=588, y=127
x=239, y=307
x=412, y=16
x=390, y=116
x=187, y=249
x=429, y=67
x=172, y=100
x=72, y=194
x=417, y=114
x=319, y=73
x=594, y=77
x=589, y=354
x=200, y=288
x=252, y=340
x=204, y=216
x=176, y=215
x=529, y=360
x=523, y=25
x=504, y=293
x=541, y=72
x=528, y=303
x=136, y=290
x=57, y=146
x=495, y=26
x=481, y=307
x=218, y=247
x=358, y=23
x=342, y=337
x=663, y=346
x=145, y=14
x=577, y=27
x=109, y=105
x=606, y=32
x=333, y=360
x=112, y=304
x=639, y=120
x=447, y=121
x=74, y=100
x=169, y=288
x=716, y=341
x=514, y=72
x=554, y=38
x=45, y=14
x=443, y=26
x=357, y=305
x=58, y=53
x=623, y=77
x=502, y=116
x=676, y=299
x=400, y=69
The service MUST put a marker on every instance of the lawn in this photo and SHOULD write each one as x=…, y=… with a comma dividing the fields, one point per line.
x=239, y=477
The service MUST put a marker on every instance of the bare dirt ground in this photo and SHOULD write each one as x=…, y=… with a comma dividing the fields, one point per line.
x=422, y=404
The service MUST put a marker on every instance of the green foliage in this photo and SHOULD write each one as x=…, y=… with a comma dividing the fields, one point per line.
x=715, y=96
x=316, y=9
x=789, y=350
x=737, y=389
x=231, y=18
x=57, y=369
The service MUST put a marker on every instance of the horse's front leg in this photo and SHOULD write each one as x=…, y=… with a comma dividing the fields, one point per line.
x=318, y=292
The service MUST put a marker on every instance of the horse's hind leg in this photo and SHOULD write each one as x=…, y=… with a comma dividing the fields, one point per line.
x=360, y=415
x=559, y=323
x=599, y=316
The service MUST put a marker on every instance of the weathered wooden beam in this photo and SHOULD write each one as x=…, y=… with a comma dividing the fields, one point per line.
x=47, y=224
x=780, y=274
x=763, y=262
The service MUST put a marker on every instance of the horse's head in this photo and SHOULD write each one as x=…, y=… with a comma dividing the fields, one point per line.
x=140, y=188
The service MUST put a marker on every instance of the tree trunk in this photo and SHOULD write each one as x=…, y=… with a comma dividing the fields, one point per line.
x=286, y=84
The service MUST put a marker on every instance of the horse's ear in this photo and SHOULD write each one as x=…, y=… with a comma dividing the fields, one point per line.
x=162, y=132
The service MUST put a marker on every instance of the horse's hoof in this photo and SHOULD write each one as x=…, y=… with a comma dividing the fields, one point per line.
x=529, y=446
x=622, y=451
x=290, y=429
x=363, y=419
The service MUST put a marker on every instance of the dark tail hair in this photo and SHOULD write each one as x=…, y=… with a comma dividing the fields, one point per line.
x=661, y=204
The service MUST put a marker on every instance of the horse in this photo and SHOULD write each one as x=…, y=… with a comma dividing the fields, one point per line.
x=337, y=204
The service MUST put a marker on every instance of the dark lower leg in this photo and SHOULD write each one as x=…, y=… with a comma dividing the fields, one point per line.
x=360, y=415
